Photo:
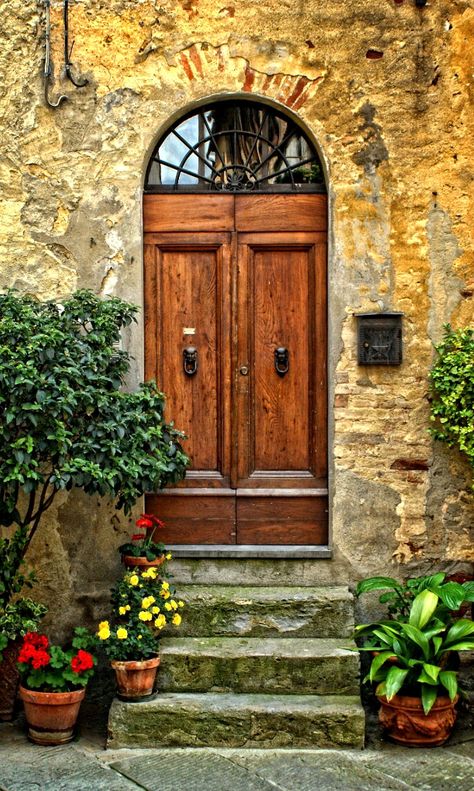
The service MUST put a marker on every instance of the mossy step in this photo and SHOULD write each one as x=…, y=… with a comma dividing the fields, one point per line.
x=322, y=666
x=226, y=720
x=266, y=611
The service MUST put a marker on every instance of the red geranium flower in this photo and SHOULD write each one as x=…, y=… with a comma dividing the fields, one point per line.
x=35, y=639
x=82, y=661
x=40, y=659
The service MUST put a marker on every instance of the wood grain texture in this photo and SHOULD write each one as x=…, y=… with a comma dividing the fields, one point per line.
x=262, y=212
x=195, y=519
x=236, y=297
x=280, y=520
x=188, y=213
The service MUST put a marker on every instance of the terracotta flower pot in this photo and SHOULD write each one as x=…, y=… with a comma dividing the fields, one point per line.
x=9, y=679
x=51, y=716
x=131, y=563
x=135, y=680
x=405, y=722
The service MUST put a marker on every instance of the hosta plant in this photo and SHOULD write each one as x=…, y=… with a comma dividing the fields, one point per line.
x=399, y=596
x=412, y=657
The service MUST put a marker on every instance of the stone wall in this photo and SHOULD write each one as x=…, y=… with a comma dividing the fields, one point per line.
x=386, y=90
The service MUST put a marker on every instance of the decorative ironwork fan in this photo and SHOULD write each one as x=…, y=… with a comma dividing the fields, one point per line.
x=235, y=146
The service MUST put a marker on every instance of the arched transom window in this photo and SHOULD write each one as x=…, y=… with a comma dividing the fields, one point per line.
x=235, y=146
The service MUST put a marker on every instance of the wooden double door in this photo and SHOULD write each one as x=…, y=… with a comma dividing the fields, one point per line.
x=235, y=335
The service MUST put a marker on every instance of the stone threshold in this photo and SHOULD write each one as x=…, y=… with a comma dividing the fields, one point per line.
x=285, y=552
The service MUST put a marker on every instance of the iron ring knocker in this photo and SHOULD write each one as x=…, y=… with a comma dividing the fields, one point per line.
x=190, y=360
x=282, y=362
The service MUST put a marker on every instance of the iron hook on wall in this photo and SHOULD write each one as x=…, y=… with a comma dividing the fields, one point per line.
x=78, y=82
x=47, y=72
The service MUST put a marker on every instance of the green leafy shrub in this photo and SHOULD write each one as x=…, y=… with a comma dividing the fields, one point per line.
x=452, y=391
x=65, y=419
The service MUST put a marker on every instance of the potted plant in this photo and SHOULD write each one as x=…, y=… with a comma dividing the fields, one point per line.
x=142, y=550
x=53, y=682
x=416, y=683
x=143, y=604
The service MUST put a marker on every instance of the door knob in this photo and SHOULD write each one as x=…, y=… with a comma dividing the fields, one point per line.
x=244, y=370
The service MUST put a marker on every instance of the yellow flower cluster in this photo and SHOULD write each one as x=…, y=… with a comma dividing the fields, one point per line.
x=160, y=622
x=176, y=619
x=148, y=601
x=124, y=610
x=122, y=633
x=145, y=615
x=104, y=630
x=149, y=574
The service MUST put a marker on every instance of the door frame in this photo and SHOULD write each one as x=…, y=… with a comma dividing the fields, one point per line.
x=333, y=332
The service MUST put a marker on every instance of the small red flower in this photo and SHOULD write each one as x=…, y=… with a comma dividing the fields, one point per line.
x=82, y=661
x=40, y=659
x=35, y=639
x=151, y=521
x=138, y=536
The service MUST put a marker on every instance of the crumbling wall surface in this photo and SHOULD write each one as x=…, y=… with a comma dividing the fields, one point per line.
x=387, y=91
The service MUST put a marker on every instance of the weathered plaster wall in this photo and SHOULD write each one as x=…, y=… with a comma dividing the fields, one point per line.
x=387, y=90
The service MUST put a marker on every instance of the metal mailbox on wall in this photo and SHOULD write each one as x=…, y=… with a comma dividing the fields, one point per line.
x=379, y=338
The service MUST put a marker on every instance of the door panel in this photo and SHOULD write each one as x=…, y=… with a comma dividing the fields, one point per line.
x=278, y=411
x=188, y=282
x=256, y=435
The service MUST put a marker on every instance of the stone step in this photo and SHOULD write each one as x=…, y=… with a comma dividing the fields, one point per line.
x=246, y=611
x=226, y=720
x=285, y=665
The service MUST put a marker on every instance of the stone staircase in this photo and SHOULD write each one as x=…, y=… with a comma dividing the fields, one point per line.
x=252, y=667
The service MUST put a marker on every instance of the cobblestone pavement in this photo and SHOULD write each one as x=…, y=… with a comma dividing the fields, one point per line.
x=84, y=765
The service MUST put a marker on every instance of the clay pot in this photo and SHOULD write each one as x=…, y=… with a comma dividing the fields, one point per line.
x=405, y=722
x=142, y=563
x=9, y=679
x=51, y=716
x=135, y=680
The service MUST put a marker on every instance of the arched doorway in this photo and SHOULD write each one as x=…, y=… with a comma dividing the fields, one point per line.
x=235, y=222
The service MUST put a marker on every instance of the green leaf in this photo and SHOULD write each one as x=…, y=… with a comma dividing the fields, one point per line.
x=376, y=583
x=422, y=608
x=452, y=594
x=458, y=631
x=431, y=670
x=394, y=681
x=448, y=679
x=377, y=663
x=417, y=636
x=428, y=697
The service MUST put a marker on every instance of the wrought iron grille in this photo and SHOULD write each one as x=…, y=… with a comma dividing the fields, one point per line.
x=235, y=147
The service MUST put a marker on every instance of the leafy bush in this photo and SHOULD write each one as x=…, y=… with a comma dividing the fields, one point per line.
x=452, y=389
x=66, y=421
